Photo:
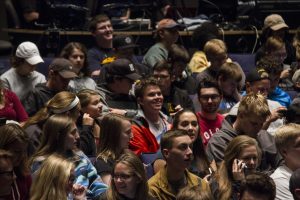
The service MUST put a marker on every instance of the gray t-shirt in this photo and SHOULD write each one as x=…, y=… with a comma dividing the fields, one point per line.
x=21, y=85
x=155, y=54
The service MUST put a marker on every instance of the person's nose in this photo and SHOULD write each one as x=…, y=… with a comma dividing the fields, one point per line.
x=209, y=100
x=77, y=135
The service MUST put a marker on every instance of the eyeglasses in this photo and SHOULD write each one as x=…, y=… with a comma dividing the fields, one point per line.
x=8, y=173
x=212, y=97
x=161, y=76
x=122, y=177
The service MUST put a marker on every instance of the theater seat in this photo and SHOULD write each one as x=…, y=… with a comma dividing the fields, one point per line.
x=247, y=61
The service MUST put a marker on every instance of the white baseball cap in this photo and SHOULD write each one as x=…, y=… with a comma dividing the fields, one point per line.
x=29, y=52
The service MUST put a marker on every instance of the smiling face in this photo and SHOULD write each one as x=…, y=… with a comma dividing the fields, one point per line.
x=72, y=137
x=188, y=121
x=125, y=180
x=104, y=31
x=152, y=99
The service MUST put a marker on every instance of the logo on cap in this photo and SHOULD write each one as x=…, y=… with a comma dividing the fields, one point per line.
x=131, y=67
x=128, y=40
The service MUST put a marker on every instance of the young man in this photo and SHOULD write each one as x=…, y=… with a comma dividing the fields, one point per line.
x=287, y=140
x=59, y=75
x=259, y=82
x=174, y=98
x=229, y=77
x=274, y=70
x=22, y=77
x=257, y=186
x=119, y=77
x=150, y=124
x=210, y=121
x=166, y=35
x=176, y=149
x=252, y=113
x=102, y=31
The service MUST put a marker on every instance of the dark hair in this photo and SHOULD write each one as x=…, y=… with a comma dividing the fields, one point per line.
x=68, y=50
x=97, y=19
x=141, y=86
x=167, y=138
x=178, y=53
x=295, y=182
x=16, y=61
x=163, y=65
x=198, y=147
x=204, y=33
x=208, y=83
x=259, y=183
x=271, y=67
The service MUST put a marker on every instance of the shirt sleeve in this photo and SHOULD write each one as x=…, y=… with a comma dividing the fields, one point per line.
x=18, y=107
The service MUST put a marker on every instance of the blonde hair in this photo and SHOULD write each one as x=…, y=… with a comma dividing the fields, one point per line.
x=84, y=96
x=59, y=101
x=254, y=105
x=215, y=47
x=134, y=163
x=224, y=175
x=286, y=135
x=296, y=43
x=51, y=179
x=54, y=133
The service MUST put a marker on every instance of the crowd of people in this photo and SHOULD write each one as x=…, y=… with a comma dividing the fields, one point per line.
x=104, y=124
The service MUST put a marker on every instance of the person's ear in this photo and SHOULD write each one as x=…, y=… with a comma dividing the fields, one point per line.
x=139, y=101
x=284, y=152
x=165, y=153
x=161, y=34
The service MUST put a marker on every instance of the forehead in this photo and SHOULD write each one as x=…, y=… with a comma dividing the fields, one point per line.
x=77, y=51
x=103, y=24
x=262, y=82
x=251, y=149
x=208, y=91
x=185, y=139
x=161, y=71
x=121, y=167
x=187, y=116
x=151, y=88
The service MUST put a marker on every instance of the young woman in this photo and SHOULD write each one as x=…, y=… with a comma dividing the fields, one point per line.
x=14, y=140
x=242, y=156
x=10, y=106
x=115, y=135
x=60, y=136
x=63, y=102
x=77, y=54
x=54, y=180
x=187, y=120
x=87, y=123
x=129, y=180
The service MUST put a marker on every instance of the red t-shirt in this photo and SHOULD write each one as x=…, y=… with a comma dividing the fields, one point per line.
x=13, y=108
x=209, y=127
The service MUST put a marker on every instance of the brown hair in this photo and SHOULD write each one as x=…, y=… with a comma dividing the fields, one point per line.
x=230, y=70
x=97, y=19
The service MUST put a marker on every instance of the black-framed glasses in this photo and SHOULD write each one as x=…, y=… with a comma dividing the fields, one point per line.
x=212, y=97
x=122, y=177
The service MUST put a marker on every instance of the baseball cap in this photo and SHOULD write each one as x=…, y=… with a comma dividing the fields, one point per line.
x=167, y=24
x=122, y=67
x=29, y=52
x=256, y=75
x=123, y=42
x=274, y=22
x=64, y=67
